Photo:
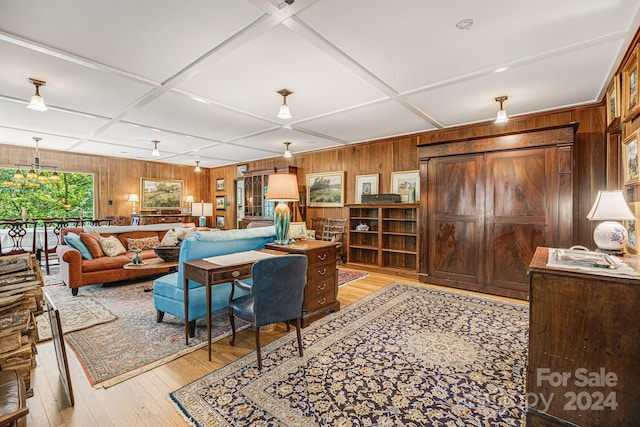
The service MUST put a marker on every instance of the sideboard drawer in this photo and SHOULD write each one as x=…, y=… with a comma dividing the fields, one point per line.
x=321, y=256
x=318, y=287
x=320, y=300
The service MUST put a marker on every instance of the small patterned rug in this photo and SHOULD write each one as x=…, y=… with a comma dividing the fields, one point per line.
x=345, y=276
x=403, y=356
x=134, y=343
x=76, y=313
x=53, y=278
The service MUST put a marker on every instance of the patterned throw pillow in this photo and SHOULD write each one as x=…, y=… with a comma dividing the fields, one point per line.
x=111, y=246
x=143, y=243
x=172, y=238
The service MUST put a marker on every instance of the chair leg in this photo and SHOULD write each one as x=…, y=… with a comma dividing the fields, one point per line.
x=259, y=354
x=298, y=327
x=232, y=320
x=288, y=325
x=192, y=328
x=159, y=316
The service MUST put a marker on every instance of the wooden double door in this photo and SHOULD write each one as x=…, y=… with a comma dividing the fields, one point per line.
x=487, y=212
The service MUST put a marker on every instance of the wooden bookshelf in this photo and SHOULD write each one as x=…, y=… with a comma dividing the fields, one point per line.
x=390, y=245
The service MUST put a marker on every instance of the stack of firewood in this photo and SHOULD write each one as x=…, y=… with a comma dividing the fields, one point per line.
x=21, y=301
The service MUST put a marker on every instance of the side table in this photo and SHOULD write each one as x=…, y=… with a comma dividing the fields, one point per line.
x=321, y=291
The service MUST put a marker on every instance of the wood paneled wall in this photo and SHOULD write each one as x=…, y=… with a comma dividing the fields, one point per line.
x=115, y=179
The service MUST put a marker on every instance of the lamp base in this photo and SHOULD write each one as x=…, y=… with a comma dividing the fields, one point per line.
x=202, y=221
x=282, y=221
x=610, y=236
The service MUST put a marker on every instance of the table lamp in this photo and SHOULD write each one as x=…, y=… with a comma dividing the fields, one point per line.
x=610, y=207
x=203, y=210
x=134, y=198
x=282, y=187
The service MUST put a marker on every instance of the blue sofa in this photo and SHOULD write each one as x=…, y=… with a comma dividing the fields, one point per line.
x=168, y=290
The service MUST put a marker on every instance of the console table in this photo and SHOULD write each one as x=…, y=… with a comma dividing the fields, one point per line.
x=321, y=291
x=584, y=344
x=162, y=218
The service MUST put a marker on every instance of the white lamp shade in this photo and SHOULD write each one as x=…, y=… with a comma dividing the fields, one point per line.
x=283, y=187
x=189, y=199
x=37, y=103
x=284, y=112
x=202, y=209
x=610, y=205
x=133, y=198
x=502, y=116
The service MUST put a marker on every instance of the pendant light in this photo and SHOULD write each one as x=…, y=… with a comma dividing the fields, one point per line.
x=287, y=153
x=197, y=169
x=284, y=108
x=502, y=114
x=37, y=102
x=155, y=152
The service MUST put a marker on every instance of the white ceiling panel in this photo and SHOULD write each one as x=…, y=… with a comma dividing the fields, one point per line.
x=205, y=74
x=25, y=138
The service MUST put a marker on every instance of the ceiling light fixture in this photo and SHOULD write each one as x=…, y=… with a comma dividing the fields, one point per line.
x=464, y=24
x=37, y=102
x=287, y=153
x=197, y=169
x=502, y=114
x=284, y=108
x=155, y=152
x=35, y=175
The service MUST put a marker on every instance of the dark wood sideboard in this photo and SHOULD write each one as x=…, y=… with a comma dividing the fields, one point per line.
x=162, y=219
x=584, y=347
x=321, y=292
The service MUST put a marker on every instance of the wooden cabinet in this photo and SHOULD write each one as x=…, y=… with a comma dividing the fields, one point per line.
x=584, y=347
x=489, y=202
x=162, y=219
x=321, y=291
x=256, y=206
x=390, y=244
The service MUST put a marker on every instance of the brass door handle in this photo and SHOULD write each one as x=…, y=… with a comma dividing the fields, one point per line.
x=236, y=273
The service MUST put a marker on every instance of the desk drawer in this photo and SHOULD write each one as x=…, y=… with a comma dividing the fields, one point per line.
x=321, y=255
x=321, y=271
x=229, y=274
x=318, y=287
x=316, y=302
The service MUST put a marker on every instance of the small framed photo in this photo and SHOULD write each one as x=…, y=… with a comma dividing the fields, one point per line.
x=220, y=184
x=632, y=229
x=613, y=100
x=241, y=169
x=366, y=184
x=219, y=221
x=298, y=230
x=221, y=203
x=325, y=189
x=407, y=185
x=630, y=159
x=630, y=94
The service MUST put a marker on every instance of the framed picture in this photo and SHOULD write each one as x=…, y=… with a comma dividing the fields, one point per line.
x=158, y=194
x=221, y=203
x=630, y=159
x=613, y=100
x=404, y=183
x=632, y=229
x=219, y=221
x=298, y=230
x=630, y=87
x=325, y=189
x=241, y=169
x=366, y=184
x=220, y=184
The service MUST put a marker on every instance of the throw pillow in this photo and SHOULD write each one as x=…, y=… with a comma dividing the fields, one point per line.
x=171, y=238
x=143, y=243
x=73, y=240
x=111, y=246
x=91, y=241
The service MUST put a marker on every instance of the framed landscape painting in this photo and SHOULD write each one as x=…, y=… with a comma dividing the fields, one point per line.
x=632, y=229
x=630, y=159
x=630, y=89
x=325, y=189
x=613, y=100
x=405, y=181
x=161, y=194
x=220, y=184
x=366, y=184
x=221, y=203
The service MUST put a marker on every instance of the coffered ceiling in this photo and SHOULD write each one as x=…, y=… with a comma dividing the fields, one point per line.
x=201, y=76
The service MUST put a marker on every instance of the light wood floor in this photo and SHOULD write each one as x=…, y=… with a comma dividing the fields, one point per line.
x=143, y=400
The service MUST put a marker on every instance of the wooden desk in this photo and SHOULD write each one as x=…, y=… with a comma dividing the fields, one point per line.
x=210, y=274
x=584, y=344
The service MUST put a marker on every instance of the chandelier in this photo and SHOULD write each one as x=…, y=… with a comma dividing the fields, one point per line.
x=35, y=176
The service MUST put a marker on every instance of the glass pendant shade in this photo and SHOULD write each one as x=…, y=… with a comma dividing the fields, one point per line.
x=32, y=175
x=18, y=176
x=502, y=116
x=37, y=103
x=284, y=112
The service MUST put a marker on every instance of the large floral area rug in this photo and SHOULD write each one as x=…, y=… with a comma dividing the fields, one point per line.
x=402, y=356
x=134, y=343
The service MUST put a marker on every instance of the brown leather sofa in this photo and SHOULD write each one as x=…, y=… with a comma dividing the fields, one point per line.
x=76, y=271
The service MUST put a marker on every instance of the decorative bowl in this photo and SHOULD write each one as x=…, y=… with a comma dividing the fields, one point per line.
x=167, y=253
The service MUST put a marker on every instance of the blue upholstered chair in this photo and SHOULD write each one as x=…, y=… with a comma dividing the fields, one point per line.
x=168, y=292
x=276, y=295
